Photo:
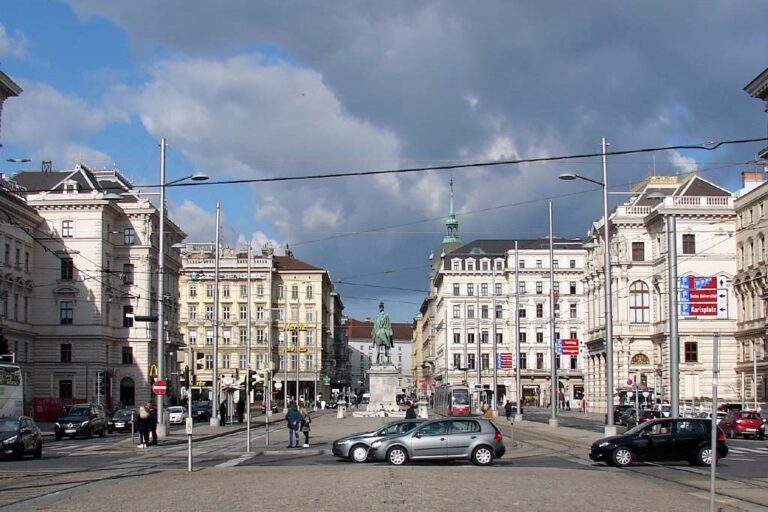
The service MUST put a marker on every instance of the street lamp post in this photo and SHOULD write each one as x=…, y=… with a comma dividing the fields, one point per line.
x=610, y=427
x=162, y=430
x=554, y=390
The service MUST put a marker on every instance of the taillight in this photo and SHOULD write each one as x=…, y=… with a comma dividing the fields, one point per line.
x=498, y=437
x=738, y=422
x=720, y=435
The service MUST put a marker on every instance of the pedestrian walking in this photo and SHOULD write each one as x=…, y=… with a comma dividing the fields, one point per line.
x=305, y=428
x=508, y=410
x=410, y=411
x=152, y=422
x=240, y=410
x=223, y=413
x=567, y=404
x=142, y=422
x=293, y=419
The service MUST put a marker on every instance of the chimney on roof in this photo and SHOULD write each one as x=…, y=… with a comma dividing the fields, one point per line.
x=47, y=166
x=288, y=251
x=751, y=179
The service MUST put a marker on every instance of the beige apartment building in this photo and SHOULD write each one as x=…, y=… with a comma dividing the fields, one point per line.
x=294, y=319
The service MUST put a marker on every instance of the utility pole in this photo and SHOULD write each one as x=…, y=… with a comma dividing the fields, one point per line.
x=518, y=379
x=674, y=340
x=215, y=383
x=553, y=393
x=248, y=356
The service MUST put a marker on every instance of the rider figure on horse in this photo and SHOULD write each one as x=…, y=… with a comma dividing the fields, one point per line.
x=381, y=335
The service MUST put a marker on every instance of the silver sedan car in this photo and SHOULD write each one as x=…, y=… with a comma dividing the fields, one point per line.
x=357, y=446
x=476, y=439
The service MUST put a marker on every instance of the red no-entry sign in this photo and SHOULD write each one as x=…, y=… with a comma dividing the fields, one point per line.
x=159, y=387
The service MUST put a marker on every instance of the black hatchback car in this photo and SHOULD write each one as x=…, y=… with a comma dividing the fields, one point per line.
x=20, y=436
x=121, y=420
x=81, y=420
x=683, y=439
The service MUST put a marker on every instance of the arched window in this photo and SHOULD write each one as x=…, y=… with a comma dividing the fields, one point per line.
x=639, y=303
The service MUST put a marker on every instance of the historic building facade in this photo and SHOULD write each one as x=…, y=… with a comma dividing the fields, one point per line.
x=294, y=316
x=704, y=215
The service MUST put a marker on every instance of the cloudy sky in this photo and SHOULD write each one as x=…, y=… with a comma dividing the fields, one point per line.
x=245, y=89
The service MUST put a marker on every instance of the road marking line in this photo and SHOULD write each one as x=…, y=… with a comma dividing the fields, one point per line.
x=235, y=462
x=740, y=449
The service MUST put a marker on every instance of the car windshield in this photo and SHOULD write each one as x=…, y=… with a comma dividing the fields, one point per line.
x=9, y=425
x=461, y=397
x=122, y=413
x=175, y=409
x=77, y=411
x=750, y=416
x=637, y=429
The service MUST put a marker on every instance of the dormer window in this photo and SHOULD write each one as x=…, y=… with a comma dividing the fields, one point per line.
x=70, y=187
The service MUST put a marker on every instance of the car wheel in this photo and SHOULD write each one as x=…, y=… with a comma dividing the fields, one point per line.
x=704, y=456
x=103, y=433
x=397, y=456
x=39, y=450
x=482, y=456
x=89, y=433
x=622, y=457
x=58, y=436
x=359, y=453
x=109, y=430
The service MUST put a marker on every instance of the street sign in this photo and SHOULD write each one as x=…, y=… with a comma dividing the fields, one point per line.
x=189, y=426
x=159, y=387
x=703, y=296
x=278, y=385
x=567, y=347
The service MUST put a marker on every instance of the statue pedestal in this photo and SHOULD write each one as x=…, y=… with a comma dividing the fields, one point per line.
x=383, y=388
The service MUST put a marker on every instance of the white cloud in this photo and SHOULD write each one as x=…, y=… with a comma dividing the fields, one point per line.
x=683, y=164
x=12, y=45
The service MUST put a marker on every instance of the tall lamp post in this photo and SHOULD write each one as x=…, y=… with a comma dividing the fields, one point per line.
x=162, y=430
x=610, y=427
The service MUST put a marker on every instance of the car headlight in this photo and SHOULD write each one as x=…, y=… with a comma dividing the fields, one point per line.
x=604, y=444
x=11, y=440
x=84, y=424
x=375, y=444
x=57, y=424
x=345, y=441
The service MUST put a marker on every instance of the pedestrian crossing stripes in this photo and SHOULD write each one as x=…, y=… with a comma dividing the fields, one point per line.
x=741, y=450
x=235, y=462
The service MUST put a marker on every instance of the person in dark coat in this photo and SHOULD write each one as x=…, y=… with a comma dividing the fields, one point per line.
x=142, y=424
x=508, y=410
x=293, y=419
x=240, y=410
x=410, y=411
x=223, y=413
x=153, y=422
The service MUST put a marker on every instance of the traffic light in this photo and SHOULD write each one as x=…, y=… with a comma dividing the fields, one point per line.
x=254, y=378
x=187, y=376
x=199, y=360
x=100, y=381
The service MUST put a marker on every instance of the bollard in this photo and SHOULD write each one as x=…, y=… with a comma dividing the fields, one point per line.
x=423, y=411
x=341, y=408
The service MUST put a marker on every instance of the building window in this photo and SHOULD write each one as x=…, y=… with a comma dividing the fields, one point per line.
x=689, y=244
x=309, y=316
x=259, y=312
x=484, y=265
x=243, y=290
x=243, y=312
x=497, y=289
x=522, y=337
x=470, y=312
x=193, y=290
x=127, y=355
x=127, y=273
x=470, y=289
x=225, y=361
x=499, y=337
x=65, y=389
x=638, y=251
x=574, y=363
x=127, y=316
x=470, y=264
x=539, y=287
x=310, y=338
x=293, y=361
x=294, y=338
x=691, y=352
x=484, y=311
x=555, y=263
x=65, y=353
x=457, y=360
x=192, y=312
x=456, y=289
x=485, y=361
x=521, y=264
x=484, y=336
x=639, y=303
x=499, y=311
x=572, y=287
x=539, y=310
x=521, y=288
x=309, y=292
x=557, y=310
x=225, y=291
x=243, y=335
x=129, y=236
x=209, y=337
x=66, y=312
x=208, y=362
x=523, y=361
x=455, y=265
x=456, y=311
x=539, y=336
x=538, y=264
x=521, y=312
x=471, y=361
x=572, y=264
x=226, y=336
x=572, y=310
x=243, y=362
x=471, y=338
x=557, y=362
x=484, y=289
x=260, y=336
x=192, y=336
x=209, y=312
x=227, y=312
x=310, y=362
x=539, y=360
x=456, y=337
x=209, y=290
x=67, y=228
x=295, y=292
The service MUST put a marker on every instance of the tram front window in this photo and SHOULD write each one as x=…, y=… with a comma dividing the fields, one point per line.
x=460, y=397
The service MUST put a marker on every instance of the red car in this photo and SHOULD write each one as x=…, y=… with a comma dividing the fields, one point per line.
x=742, y=423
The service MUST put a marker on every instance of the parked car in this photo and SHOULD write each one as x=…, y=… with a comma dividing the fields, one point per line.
x=356, y=446
x=708, y=416
x=742, y=423
x=121, y=420
x=476, y=439
x=729, y=406
x=632, y=417
x=663, y=439
x=177, y=414
x=618, y=412
x=273, y=407
x=201, y=411
x=20, y=436
x=81, y=420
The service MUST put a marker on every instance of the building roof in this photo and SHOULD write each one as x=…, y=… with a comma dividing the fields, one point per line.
x=500, y=247
x=758, y=87
x=289, y=263
x=87, y=180
x=8, y=87
x=362, y=330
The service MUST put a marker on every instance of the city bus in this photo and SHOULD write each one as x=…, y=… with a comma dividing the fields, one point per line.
x=11, y=390
x=452, y=400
